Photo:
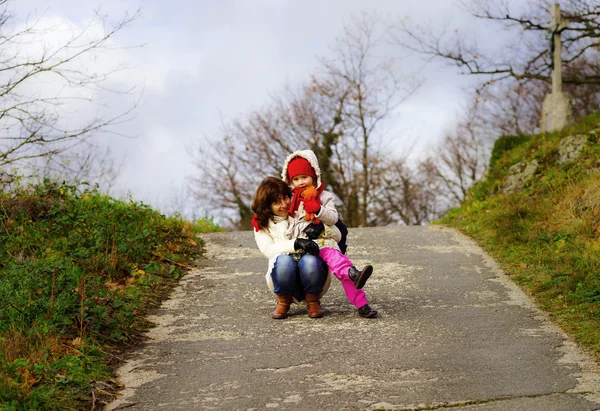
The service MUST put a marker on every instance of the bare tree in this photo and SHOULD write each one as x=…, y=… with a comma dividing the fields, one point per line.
x=528, y=56
x=373, y=90
x=514, y=107
x=38, y=126
x=407, y=194
x=222, y=186
x=514, y=79
x=88, y=164
x=509, y=108
x=461, y=157
x=339, y=114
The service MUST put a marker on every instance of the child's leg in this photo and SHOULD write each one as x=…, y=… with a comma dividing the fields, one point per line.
x=339, y=265
x=337, y=262
x=356, y=297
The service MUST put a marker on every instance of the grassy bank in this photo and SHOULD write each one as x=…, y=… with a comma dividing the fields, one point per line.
x=546, y=237
x=77, y=272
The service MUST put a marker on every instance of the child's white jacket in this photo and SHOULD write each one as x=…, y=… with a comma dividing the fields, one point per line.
x=328, y=213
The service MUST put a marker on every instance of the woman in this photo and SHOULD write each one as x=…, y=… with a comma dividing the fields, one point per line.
x=295, y=271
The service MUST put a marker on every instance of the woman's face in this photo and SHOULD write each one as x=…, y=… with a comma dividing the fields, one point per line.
x=280, y=208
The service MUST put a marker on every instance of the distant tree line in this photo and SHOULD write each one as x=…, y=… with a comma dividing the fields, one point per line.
x=343, y=111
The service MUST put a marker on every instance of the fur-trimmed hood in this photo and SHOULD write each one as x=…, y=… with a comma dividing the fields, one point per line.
x=308, y=155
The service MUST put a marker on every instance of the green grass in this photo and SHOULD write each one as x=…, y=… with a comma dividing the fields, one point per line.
x=208, y=225
x=546, y=237
x=77, y=272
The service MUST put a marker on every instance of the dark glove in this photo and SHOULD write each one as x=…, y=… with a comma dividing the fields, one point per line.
x=313, y=231
x=312, y=206
x=308, y=246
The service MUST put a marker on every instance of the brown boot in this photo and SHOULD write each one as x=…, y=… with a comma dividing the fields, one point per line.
x=314, y=306
x=283, y=306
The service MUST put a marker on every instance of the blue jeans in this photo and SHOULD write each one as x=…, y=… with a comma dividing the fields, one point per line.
x=306, y=275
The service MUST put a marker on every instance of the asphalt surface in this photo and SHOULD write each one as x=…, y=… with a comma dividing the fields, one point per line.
x=453, y=333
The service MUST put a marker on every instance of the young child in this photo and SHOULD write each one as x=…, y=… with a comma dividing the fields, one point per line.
x=309, y=211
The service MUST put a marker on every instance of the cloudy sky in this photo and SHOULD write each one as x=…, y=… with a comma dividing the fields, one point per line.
x=208, y=61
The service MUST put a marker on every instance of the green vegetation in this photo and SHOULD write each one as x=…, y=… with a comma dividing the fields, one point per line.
x=208, y=225
x=547, y=237
x=77, y=272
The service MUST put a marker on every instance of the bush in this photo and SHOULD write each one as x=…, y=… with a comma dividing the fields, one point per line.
x=504, y=144
x=207, y=225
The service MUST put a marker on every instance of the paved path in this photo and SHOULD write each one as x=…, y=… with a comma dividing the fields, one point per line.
x=453, y=333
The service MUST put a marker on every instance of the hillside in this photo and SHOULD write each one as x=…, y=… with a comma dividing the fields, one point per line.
x=78, y=271
x=537, y=213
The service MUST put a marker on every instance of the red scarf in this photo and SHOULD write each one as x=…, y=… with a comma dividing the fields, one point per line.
x=255, y=223
x=297, y=198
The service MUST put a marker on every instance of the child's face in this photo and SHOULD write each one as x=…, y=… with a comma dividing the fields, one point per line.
x=302, y=181
x=280, y=208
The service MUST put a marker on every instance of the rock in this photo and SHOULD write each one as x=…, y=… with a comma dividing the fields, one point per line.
x=570, y=148
x=518, y=176
x=595, y=132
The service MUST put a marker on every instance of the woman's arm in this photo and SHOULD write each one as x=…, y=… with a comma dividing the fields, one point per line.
x=271, y=247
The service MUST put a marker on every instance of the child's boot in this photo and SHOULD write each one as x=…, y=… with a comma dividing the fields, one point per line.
x=283, y=306
x=360, y=277
x=367, y=312
x=314, y=306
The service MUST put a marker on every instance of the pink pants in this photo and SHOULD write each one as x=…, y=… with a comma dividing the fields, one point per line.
x=339, y=265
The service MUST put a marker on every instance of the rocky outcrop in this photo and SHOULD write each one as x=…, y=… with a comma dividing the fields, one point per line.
x=519, y=175
x=570, y=148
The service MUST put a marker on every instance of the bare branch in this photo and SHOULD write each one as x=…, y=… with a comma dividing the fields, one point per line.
x=530, y=59
x=36, y=124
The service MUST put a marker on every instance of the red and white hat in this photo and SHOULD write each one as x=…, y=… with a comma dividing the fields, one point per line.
x=300, y=166
x=301, y=162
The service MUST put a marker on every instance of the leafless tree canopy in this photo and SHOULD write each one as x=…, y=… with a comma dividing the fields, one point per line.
x=88, y=164
x=408, y=194
x=43, y=84
x=516, y=78
x=514, y=106
x=528, y=56
x=341, y=113
x=338, y=114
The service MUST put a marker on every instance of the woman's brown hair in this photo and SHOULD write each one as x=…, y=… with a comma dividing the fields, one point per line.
x=269, y=191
